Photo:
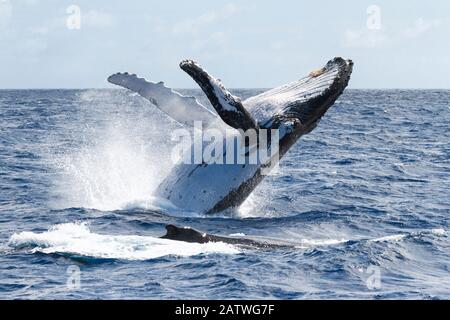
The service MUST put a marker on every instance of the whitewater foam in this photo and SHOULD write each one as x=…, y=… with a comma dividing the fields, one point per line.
x=438, y=232
x=77, y=238
x=238, y=234
x=107, y=175
x=391, y=238
x=120, y=156
x=307, y=243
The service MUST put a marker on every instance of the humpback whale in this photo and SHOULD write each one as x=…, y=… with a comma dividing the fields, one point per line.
x=188, y=234
x=293, y=109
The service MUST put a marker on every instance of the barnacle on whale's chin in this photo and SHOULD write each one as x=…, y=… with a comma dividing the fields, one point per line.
x=316, y=73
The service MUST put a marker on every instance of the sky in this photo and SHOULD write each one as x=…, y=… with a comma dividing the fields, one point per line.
x=246, y=43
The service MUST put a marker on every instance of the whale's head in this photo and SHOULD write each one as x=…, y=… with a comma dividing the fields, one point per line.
x=294, y=108
x=302, y=103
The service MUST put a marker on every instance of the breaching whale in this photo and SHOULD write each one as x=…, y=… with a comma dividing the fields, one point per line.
x=293, y=110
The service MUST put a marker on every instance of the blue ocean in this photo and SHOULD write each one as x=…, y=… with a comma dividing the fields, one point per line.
x=365, y=198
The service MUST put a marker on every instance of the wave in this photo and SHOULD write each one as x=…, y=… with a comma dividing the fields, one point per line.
x=78, y=239
x=400, y=237
x=308, y=243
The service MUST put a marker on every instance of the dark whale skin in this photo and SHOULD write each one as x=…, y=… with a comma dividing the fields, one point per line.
x=187, y=234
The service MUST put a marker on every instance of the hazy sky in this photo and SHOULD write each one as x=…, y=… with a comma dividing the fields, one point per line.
x=394, y=44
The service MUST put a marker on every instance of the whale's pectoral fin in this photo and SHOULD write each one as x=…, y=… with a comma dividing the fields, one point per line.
x=229, y=107
x=181, y=108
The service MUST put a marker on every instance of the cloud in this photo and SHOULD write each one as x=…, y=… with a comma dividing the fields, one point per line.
x=31, y=2
x=206, y=30
x=421, y=26
x=33, y=48
x=195, y=26
x=219, y=37
x=97, y=19
x=39, y=30
x=5, y=13
x=216, y=39
x=364, y=38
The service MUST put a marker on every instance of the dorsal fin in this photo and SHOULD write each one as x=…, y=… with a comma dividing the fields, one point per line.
x=184, y=234
x=229, y=107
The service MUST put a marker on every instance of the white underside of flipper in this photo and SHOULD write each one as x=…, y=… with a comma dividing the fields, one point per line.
x=181, y=108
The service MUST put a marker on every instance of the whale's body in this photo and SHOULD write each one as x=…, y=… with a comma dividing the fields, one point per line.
x=294, y=109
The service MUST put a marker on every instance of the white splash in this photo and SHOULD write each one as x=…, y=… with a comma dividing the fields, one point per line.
x=400, y=237
x=308, y=243
x=117, y=164
x=390, y=238
x=438, y=232
x=252, y=206
x=76, y=238
x=107, y=175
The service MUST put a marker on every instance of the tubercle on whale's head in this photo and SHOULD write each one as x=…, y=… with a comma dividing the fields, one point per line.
x=338, y=61
x=188, y=62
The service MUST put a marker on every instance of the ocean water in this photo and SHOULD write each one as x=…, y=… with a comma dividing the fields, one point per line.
x=365, y=197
